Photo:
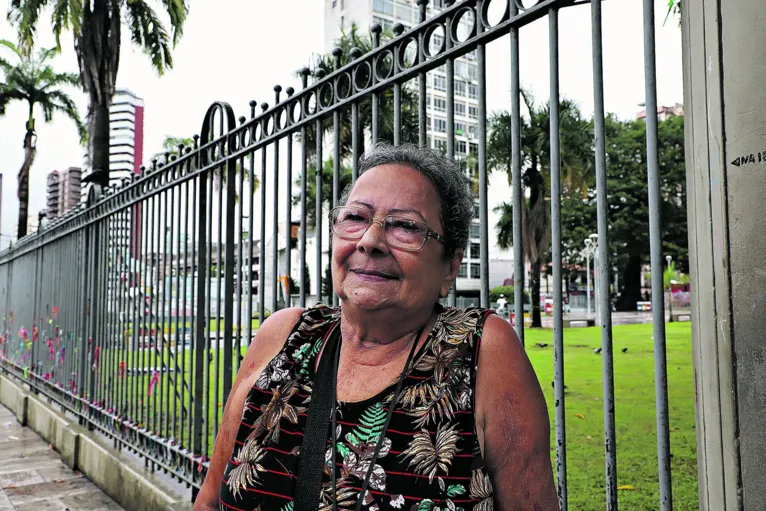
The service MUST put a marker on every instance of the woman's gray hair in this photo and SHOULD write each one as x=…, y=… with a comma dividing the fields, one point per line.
x=456, y=208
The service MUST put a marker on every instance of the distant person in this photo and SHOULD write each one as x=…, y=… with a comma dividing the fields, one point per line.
x=391, y=400
x=501, y=304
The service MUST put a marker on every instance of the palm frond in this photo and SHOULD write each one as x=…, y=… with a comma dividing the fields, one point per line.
x=25, y=14
x=147, y=31
x=177, y=10
x=8, y=44
x=64, y=104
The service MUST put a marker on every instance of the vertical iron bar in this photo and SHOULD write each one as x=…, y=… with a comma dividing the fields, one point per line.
x=228, y=313
x=250, y=228
x=240, y=328
x=655, y=247
x=175, y=267
x=375, y=30
x=483, y=201
x=187, y=347
x=558, y=301
x=354, y=141
x=262, y=243
x=450, y=68
x=603, y=262
x=304, y=195
x=168, y=360
x=422, y=115
x=516, y=185
x=219, y=262
x=200, y=353
x=318, y=210
x=289, y=212
x=161, y=279
x=335, y=174
x=275, y=219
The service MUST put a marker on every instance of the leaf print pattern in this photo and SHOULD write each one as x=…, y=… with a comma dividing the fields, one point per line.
x=429, y=457
x=272, y=414
x=481, y=488
x=246, y=473
x=432, y=423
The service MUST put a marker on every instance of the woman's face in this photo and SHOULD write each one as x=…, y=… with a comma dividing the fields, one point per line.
x=369, y=274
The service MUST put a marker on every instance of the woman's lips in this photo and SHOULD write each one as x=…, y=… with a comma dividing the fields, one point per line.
x=373, y=275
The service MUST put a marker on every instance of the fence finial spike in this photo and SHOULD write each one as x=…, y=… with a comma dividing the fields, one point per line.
x=277, y=91
x=398, y=29
x=253, y=106
x=337, y=52
x=264, y=106
x=289, y=91
x=242, y=119
x=355, y=53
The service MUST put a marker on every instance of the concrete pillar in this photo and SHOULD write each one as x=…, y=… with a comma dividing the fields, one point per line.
x=724, y=44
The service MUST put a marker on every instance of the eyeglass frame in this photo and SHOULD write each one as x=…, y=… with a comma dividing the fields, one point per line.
x=430, y=233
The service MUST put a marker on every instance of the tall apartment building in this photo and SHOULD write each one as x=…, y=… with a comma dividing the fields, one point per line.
x=126, y=136
x=339, y=16
x=64, y=191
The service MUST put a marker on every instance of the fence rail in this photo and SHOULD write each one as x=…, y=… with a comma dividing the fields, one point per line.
x=114, y=311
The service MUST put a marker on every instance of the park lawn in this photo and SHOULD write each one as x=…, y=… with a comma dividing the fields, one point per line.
x=634, y=412
x=634, y=409
x=170, y=326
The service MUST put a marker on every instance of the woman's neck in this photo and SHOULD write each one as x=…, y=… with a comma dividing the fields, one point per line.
x=369, y=339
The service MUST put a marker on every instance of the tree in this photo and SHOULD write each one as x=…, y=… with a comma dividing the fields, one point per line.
x=97, y=27
x=345, y=180
x=576, y=140
x=33, y=80
x=628, y=244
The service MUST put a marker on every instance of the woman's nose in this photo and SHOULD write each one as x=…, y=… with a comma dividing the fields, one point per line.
x=374, y=238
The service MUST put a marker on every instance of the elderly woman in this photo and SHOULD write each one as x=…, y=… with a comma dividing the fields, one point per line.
x=390, y=401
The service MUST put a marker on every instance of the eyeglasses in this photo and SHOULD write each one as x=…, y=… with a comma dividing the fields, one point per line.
x=404, y=233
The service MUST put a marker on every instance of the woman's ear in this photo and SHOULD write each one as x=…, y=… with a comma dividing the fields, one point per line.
x=451, y=269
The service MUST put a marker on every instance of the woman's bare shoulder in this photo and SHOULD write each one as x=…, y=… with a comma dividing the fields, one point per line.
x=270, y=338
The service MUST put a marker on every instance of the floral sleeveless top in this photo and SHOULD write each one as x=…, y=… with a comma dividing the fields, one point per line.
x=429, y=459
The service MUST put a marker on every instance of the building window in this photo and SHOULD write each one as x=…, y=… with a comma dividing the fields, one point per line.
x=463, y=270
x=460, y=147
x=475, y=250
x=476, y=211
x=460, y=69
x=441, y=145
x=386, y=24
x=438, y=4
x=473, y=112
x=459, y=88
x=459, y=108
x=437, y=41
x=460, y=129
x=473, y=91
x=404, y=13
x=473, y=131
x=475, y=231
x=473, y=149
x=440, y=82
x=440, y=125
x=383, y=6
x=473, y=72
x=428, y=99
x=440, y=104
x=334, y=3
x=343, y=5
x=475, y=271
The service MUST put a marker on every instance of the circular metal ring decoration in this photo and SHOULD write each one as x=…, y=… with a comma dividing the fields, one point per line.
x=384, y=65
x=326, y=95
x=490, y=11
x=408, y=53
x=343, y=86
x=432, y=48
x=362, y=75
x=458, y=32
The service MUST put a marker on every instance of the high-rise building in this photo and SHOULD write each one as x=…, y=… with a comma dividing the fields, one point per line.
x=64, y=191
x=664, y=112
x=341, y=14
x=53, y=190
x=126, y=136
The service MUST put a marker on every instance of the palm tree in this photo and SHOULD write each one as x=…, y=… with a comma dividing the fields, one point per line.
x=97, y=26
x=409, y=115
x=33, y=80
x=576, y=141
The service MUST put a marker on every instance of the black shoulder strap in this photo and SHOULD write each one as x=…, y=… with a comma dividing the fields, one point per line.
x=311, y=465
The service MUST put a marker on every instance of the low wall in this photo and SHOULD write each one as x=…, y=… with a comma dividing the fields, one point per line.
x=130, y=485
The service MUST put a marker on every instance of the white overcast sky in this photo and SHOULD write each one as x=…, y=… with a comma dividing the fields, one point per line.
x=237, y=50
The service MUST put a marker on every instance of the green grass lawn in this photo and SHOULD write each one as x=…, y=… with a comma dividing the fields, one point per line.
x=634, y=408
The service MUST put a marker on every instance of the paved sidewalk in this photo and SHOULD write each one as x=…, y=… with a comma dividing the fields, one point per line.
x=33, y=477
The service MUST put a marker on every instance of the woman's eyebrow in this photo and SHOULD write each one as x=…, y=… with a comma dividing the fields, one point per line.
x=391, y=211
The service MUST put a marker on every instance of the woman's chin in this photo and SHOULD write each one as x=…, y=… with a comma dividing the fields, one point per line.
x=367, y=299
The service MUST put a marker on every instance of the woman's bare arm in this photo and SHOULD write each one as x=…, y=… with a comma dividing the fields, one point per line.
x=268, y=341
x=512, y=423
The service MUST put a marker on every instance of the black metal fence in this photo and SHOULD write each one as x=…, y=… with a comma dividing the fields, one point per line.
x=133, y=311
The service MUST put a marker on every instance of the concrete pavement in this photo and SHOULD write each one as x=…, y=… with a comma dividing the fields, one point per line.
x=33, y=477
